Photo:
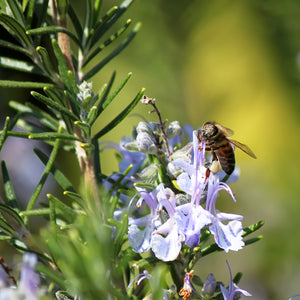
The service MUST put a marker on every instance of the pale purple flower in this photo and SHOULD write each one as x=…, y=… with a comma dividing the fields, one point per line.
x=141, y=229
x=193, y=180
x=29, y=279
x=229, y=236
x=29, y=282
x=233, y=289
x=191, y=218
x=167, y=247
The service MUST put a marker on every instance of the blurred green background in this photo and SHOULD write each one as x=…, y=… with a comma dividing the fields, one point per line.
x=235, y=62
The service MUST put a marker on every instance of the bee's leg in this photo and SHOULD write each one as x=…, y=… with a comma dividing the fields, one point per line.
x=214, y=156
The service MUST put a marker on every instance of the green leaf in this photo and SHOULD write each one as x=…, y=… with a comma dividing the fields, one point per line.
x=54, y=94
x=16, y=30
x=52, y=136
x=73, y=82
x=97, y=7
x=114, y=53
x=74, y=196
x=112, y=38
x=30, y=12
x=252, y=228
x=4, y=132
x=25, y=125
x=24, y=4
x=62, y=65
x=85, y=127
x=54, y=105
x=14, y=47
x=47, y=64
x=17, y=12
x=105, y=91
x=87, y=23
x=23, y=135
x=75, y=21
x=92, y=116
x=45, y=118
x=35, y=212
x=112, y=96
x=253, y=240
x=23, y=66
x=121, y=236
x=51, y=274
x=24, y=84
x=8, y=188
x=121, y=116
x=109, y=19
x=62, y=209
x=14, y=216
x=45, y=174
x=7, y=228
x=53, y=29
x=97, y=163
x=61, y=179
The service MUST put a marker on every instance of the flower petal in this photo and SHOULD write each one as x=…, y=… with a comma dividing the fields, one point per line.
x=167, y=248
x=228, y=237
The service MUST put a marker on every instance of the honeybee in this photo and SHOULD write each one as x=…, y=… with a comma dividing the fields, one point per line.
x=218, y=142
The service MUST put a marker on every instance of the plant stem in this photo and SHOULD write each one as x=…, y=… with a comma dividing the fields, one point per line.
x=162, y=128
x=85, y=157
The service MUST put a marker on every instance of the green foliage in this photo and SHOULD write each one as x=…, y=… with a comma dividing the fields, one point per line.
x=85, y=250
x=79, y=243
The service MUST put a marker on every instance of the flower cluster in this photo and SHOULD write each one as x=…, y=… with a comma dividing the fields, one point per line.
x=170, y=224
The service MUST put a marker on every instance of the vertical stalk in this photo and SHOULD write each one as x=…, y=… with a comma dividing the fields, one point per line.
x=84, y=155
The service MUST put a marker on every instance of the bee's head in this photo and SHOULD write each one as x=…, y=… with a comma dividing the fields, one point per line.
x=208, y=131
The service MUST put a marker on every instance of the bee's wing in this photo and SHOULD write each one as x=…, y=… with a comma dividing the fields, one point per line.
x=243, y=147
x=225, y=130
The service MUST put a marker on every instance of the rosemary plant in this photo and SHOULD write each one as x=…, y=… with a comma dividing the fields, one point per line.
x=135, y=234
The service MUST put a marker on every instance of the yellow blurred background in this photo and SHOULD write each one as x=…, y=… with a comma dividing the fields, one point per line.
x=235, y=62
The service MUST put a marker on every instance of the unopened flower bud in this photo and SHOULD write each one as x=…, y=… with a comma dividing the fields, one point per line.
x=173, y=129
x=209, y=285
x=148, y=174
x=183, y=154
x=145, y=143
x=143, y=127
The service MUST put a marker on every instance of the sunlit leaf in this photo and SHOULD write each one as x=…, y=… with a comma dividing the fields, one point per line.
x=66, y=212
x=16, y=30
x=47, y=63
x=23, y=66
x=62, y=65
x=121, y=116
x=45, y=174
x=24, y=84
x=52, y=136
x=53, y=104
x=112, y=38
x=17, y=12
x=114, y=53
x=112, y=96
